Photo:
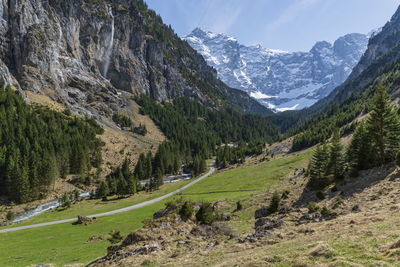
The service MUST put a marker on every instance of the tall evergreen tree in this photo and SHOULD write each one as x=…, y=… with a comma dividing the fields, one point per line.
x=317, y=169
x=359, y=154
x=383, y=127
x=336, y=160
x=103, y=190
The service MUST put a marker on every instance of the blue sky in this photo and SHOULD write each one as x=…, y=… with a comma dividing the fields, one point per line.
x=293, y=25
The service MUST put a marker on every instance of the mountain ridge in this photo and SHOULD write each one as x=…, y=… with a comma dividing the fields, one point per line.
x=281, y=80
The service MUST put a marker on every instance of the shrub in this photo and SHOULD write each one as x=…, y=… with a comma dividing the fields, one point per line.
x=171, y=205
x=65, y=201
x=205, y=214
x=338, y=203
x=76, y=195
x=122, y=120
x=10, y=215
x=313, y=207
x=320, y=195
x=186, y=211
x=239, y=206
x=146, y=263
x=142, y=130
x=318, y=183
x=398, y=158
x=275, y=203
x=285, y=194
x=325, y=211
x=115, y=237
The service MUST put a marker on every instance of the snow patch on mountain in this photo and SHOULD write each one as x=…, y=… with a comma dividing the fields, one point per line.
x=279, y=79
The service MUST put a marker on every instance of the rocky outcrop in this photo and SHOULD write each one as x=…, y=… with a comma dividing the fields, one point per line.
x=80, y=53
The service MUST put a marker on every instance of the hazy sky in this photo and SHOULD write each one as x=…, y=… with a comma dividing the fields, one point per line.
x=293, y=25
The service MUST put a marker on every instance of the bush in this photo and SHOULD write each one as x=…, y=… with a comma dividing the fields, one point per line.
x=122, y=120
x=313, y=207
x=239, y=206
x=115, y=237
x=142, y=130
x=285, y=194
x=186, y=211
x=146, y=263
x=275, y=203
x=10, y=215
x=320, y=195
x=325, y=211
x=65, y=201
x=77, y=195
x=398, y=158
x=318, y=183
x=171, y=205
x=205, y=214
x=338, y=203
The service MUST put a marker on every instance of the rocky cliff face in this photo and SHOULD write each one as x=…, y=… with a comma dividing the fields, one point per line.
x=280, y=79
x=80, y=53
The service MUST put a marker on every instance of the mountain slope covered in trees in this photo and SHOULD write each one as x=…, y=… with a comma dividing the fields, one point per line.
x=38, y=145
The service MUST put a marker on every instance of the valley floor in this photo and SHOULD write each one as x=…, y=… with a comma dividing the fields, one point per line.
x=364, y=230
x=69, y=244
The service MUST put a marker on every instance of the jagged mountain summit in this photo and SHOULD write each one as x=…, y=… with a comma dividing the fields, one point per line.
x=281, y=80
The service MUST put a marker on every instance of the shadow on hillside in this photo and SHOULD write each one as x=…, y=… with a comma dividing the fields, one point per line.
x=351, y=186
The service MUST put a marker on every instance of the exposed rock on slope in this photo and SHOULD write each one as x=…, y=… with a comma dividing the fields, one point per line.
x=79, y=52
x=280, y=79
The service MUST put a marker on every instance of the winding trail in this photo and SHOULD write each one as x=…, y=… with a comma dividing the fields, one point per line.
x=133, y=207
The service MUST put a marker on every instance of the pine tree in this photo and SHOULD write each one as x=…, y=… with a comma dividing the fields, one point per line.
x=336, y=161
x=383, y=127
x=140, y=171
x=102, y=191
x=149, y=165
x=318, y=167
x=359, y=153
x=122, y=187
x=275, y=203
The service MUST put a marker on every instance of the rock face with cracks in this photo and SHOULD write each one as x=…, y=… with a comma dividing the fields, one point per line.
x=80, y=53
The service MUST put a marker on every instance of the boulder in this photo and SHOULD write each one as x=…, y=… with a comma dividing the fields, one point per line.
x=260, y=213
x=265, y=224
x=85, y=220
x=356, y=208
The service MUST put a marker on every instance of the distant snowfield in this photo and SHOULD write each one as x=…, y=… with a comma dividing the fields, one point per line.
x=259, y=95
x=279, y=79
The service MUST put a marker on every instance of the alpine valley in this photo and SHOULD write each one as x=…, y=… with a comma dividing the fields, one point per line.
x=123, y=144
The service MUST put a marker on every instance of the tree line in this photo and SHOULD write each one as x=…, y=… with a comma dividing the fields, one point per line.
x=37, y=145
x=195, y=132
x=375, y=142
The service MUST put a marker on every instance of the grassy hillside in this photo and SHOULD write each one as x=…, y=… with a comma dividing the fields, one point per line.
x=67, y=243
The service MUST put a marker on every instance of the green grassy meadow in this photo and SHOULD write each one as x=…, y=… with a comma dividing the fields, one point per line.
x=67, y=244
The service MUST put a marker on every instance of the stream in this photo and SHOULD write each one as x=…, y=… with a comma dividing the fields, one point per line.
x=55, y=203
x=42, y=208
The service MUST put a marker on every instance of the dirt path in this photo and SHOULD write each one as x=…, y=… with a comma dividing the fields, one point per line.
x=133, y=207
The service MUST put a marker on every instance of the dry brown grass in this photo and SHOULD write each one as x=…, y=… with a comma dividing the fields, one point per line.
x=369, y=237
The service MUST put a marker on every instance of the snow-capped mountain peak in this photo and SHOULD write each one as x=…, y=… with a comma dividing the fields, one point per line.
x=279, y=79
